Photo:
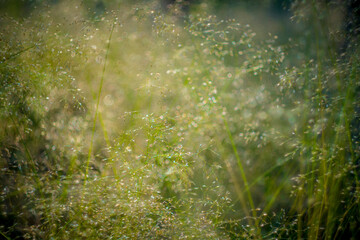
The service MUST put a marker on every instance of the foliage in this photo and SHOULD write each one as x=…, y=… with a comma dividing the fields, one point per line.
x=136, y=123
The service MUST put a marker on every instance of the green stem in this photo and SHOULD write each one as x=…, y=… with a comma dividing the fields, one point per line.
x=97, y=107
x=243, y=175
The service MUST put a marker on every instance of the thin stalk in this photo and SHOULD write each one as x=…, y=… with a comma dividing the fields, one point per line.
x=2, y=234
x=14, y=55
x=97, y=107
x=324, y=201
x=107, y=140
x=243, y=175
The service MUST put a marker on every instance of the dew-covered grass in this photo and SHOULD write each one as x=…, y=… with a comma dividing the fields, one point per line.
x=134, y=121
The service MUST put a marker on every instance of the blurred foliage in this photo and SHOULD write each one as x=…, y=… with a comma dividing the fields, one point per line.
x=148, y=119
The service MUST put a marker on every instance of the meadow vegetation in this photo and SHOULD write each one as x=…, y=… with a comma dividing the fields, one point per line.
x=135, y=122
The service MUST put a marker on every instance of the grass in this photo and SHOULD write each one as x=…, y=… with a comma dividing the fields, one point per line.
x=135, y=123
